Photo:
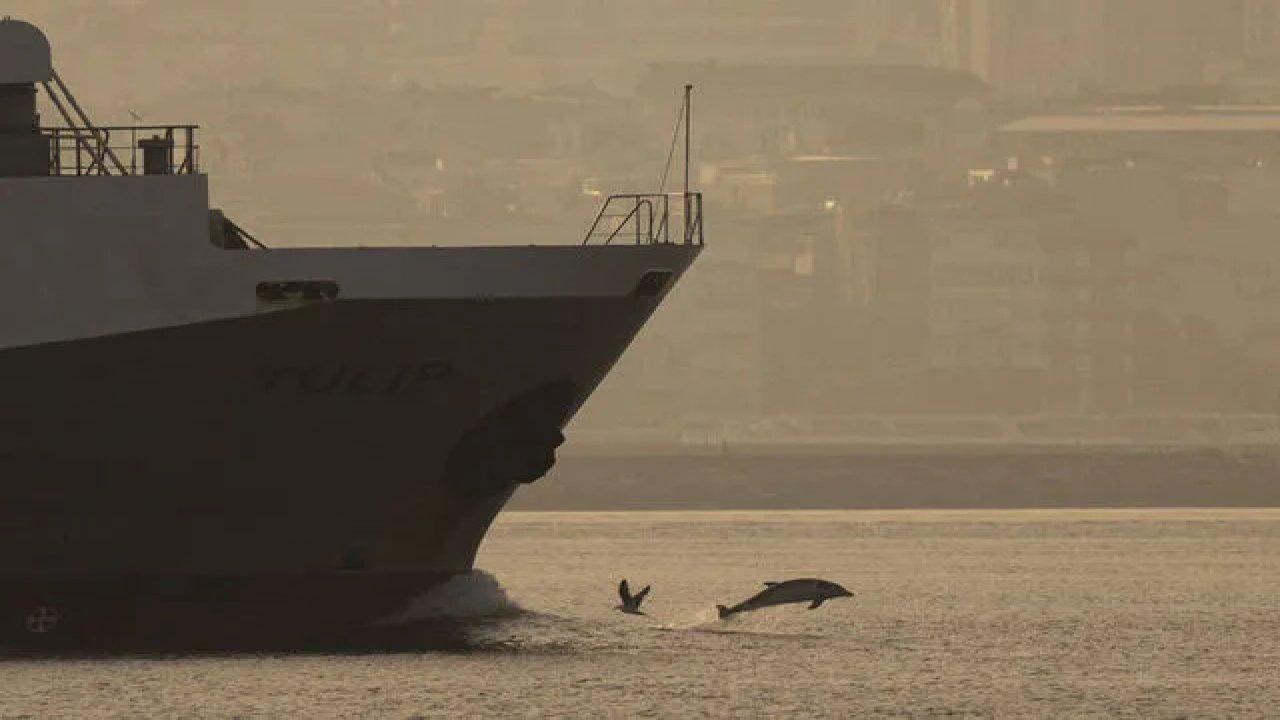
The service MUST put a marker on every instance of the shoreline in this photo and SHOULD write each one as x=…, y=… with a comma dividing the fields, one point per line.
x=918, y=477
x=903, y=447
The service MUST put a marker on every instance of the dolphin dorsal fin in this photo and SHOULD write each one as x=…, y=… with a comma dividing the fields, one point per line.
x=771, y=583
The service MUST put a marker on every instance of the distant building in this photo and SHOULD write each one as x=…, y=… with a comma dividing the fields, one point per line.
x=1196, y=193
x=1001, y=302
x=1026, y=49
x=1037, y=50
x=1213, y=135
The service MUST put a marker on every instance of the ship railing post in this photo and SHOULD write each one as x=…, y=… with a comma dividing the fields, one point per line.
x=169, y=150
x=100, y=157
x=700, y=225
x=55, y=154
x=666, y=218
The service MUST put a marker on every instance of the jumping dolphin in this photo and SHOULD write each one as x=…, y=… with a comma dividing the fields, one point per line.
x=814, y=592
x=631, y=603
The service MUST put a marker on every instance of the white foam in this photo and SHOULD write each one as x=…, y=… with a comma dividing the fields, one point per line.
x=471, y=595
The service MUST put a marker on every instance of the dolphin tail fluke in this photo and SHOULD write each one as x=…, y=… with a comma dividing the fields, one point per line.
x=725, y=611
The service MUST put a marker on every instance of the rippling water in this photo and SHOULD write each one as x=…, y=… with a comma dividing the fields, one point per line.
x=1009, y=613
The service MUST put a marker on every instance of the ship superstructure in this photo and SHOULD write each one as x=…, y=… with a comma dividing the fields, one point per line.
x=212, y=443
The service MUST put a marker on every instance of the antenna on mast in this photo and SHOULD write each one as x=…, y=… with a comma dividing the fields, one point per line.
x=688, y=119
x=688, y=152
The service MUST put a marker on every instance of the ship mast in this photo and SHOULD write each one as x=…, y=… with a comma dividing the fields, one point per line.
x=688, y=152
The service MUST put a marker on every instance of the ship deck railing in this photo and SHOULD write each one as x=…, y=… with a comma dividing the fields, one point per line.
x=119, y=150
x=648, y=219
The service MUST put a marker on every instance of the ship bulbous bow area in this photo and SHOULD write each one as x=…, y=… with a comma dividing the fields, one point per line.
x=515, y=443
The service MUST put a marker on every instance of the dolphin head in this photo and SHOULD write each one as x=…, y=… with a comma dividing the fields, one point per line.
x=838, y=591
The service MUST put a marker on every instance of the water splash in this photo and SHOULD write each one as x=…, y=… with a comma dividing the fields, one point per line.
x=768, y=623
x=703, y=618
x=472, y=595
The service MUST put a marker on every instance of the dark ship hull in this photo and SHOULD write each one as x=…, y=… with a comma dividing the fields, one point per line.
x=285, y=480
x=319, y=612
x=209, y=444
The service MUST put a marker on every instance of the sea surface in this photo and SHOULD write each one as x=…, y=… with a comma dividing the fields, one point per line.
x=1054, y=613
